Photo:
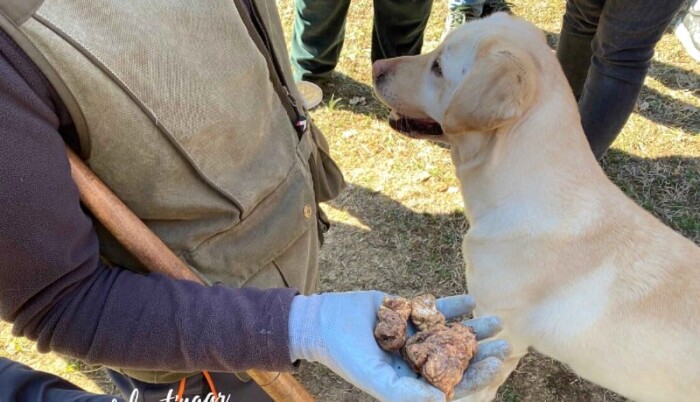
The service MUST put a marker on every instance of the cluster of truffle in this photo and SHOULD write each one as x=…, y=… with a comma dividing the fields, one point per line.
x=439, y=352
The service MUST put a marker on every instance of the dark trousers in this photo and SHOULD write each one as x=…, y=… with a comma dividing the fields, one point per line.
x=20, y=383
x=319, y=30
x=605, y=49
x=227, y=384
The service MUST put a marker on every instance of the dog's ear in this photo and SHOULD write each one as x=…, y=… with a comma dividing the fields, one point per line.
x=498, y=89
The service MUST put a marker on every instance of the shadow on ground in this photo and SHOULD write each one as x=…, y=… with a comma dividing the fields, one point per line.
x=661, y=108
x=343, y=88
x=668, y=187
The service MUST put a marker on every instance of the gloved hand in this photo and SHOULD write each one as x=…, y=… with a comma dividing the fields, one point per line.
x=337, y=330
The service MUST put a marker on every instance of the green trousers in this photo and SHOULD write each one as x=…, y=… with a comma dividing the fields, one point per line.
x=319, y=29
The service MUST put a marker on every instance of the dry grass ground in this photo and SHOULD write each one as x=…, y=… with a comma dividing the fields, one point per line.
x=399, y=225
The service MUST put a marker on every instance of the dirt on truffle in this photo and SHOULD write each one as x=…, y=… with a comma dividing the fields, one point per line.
x=441, y=354
x=392, y=324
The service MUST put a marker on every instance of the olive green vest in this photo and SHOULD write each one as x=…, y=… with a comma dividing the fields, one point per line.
x=185, y=109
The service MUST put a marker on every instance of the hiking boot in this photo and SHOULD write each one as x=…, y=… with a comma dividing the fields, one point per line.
x=464, y=13
x=460, y=16
x=688, y=31
x=494, y=6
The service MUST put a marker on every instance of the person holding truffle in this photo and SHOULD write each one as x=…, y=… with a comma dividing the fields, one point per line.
x=169, y=119
x=350, y=348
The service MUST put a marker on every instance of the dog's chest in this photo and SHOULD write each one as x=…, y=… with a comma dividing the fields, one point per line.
x=568, y=313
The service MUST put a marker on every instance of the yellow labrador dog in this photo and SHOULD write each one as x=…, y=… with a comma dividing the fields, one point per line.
x=573, y=267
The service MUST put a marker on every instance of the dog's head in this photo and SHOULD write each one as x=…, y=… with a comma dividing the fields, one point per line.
x=483, y=77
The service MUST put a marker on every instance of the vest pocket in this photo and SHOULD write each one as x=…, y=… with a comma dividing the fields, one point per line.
x=328, y=180
x=275, y=225
x=296, y=267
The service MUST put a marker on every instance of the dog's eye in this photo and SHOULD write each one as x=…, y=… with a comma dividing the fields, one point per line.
x=436, y=69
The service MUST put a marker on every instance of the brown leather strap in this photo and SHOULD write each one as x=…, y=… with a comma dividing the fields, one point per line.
x=257, y=31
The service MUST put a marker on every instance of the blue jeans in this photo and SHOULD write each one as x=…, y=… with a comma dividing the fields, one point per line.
x=605, y=49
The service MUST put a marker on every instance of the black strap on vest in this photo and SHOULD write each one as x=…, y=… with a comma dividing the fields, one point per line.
x=256, y=29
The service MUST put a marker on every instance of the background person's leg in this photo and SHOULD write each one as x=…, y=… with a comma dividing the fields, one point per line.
x=623, y=46
x=319, y=29
x=398, y=27
x=574, y=48
x=688, y=29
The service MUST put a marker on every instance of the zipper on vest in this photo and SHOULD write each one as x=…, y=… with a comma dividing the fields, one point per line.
x=296, y=114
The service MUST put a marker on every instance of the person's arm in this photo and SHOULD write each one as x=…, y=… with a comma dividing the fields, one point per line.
x=54, y=288
x=23, y=384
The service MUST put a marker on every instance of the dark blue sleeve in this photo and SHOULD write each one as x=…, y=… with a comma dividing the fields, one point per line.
x=19, y=383
x=55, y=289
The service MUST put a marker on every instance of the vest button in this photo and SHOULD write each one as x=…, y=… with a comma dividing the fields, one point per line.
x=308, y=211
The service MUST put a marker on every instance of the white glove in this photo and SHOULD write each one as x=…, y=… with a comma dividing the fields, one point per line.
x=337, y=330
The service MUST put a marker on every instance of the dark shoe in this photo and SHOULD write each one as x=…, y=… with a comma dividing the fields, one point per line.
x=688, y=31
x=494, y=6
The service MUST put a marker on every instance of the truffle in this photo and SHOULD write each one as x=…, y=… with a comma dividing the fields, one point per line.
x=424, y=312
x=390, y=331
x=441, y=354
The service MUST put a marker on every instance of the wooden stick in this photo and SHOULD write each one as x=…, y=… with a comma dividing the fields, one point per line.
x=143, y=244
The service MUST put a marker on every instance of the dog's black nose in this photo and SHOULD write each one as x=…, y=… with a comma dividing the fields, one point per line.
x=379, y=71
x=379, y=79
